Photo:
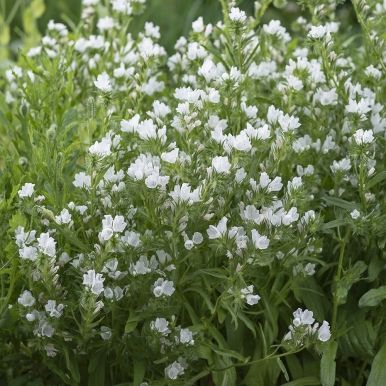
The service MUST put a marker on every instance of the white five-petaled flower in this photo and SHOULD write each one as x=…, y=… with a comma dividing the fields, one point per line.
x=112, y=225
x=174, y=370
x=237, y=15
x=103, y=82
x=47, y=244
x=317, y=31
x=160, y=325
x=249, y=296
x=302, y=318
x=215, y=232
x=259, y=241
x=362, y=137
x=221, y=164
x=93, y=281
x=26, y=190
x=186, y=336
x=163, y=287
x=82, y=180
x=64, y=217
x=26, y=299
x=53, y=310
x=183, y=193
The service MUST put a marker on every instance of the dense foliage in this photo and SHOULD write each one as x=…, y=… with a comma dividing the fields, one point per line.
x=213, y=216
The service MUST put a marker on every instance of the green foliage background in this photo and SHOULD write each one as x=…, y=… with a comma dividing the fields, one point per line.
x=30, y=17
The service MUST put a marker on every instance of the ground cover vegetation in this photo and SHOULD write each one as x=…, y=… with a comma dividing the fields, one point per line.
x=212, y=214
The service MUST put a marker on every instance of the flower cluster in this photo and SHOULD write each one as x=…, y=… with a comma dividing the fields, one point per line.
x=212, y=190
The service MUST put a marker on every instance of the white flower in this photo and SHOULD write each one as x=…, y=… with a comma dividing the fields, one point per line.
x=373, y=72
x=103, y=82
x=105, y=333
x=317, y=32
x=82, y=180
x=186, y=336
x=197, y=238
x=272, y=186
x=291, y=216
x=26, y=299
x=249, y=296
x=174, y=370
x=160, y=325
x=131, y=238
x=198, y=25
x=24, y=238
x=171, y=156
x=93, y=281
x=163, y=287
x=104, y=24
x=221, y=164
x=303, y=317
x=183, y=193
x=47, y=244
x=28, y=253
x=53, y=310
x=215, y=232
x=326, y=98
x=237, y=15
x=51, y=351
x=64, y=217
x=102, y=148
x=344, y=165
x=362, y=137
x=288, y=122
x=259, y=241
x=27, y=190
x=324, y=333
x=275, y=28
x=355, y=214
x=362, y=107
x=112, y=225
x=44, y=329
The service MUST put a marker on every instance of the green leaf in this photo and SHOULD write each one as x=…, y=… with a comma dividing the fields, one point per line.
x=351, y=276
x=96, y=369
x=38, y=8
x=335, y=201
x=248, y=323
x=377, y=375
x=227, y=353
x=376, y=179
x=16, y=220
x=360, y=338
x=131, y=323
x=139, y=372
x=72, y=365
x=328, y=364
x=204, y=296
x=4, y=32
x=283, y=369
x=373, y=297
x=306, y=381
x=334, y=224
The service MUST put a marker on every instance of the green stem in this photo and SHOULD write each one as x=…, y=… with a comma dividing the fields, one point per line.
x=368, y=35
x=336, y=281
x=362, y=184
x=269, y=357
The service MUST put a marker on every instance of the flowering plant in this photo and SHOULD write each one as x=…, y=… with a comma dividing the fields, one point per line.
x=214, y=216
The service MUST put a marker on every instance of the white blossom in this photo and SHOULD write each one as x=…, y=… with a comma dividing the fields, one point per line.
x=103, y=82
x=26, y=299
x=27, y=190
x=93, y=281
